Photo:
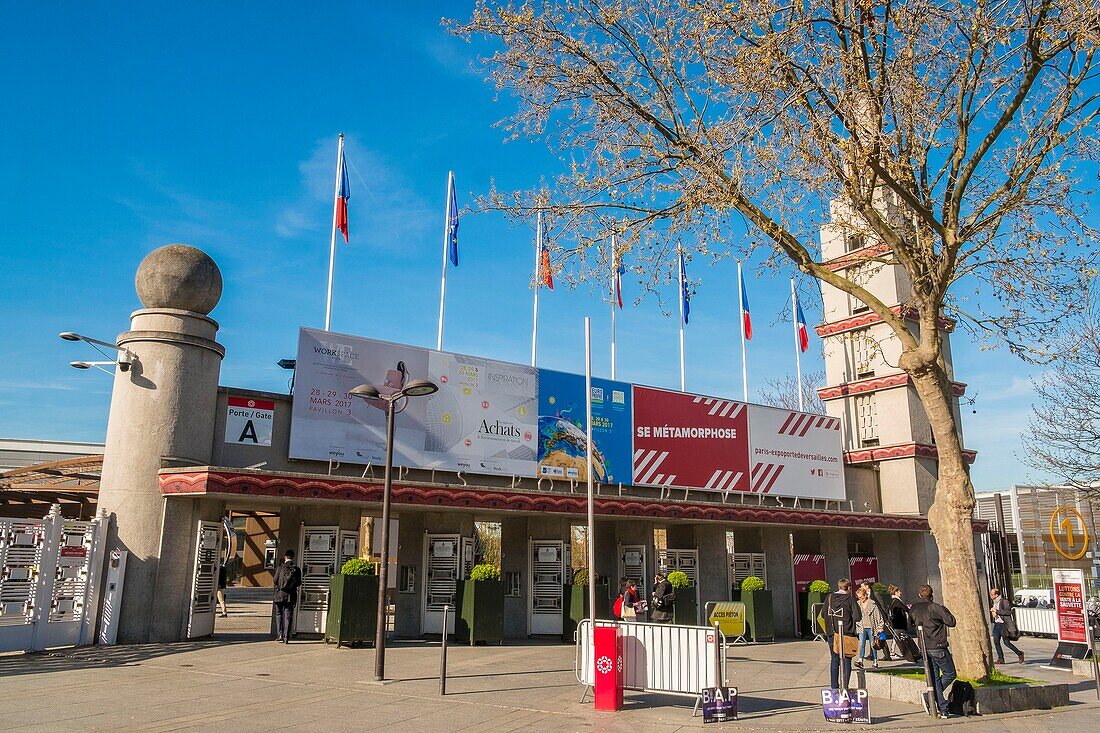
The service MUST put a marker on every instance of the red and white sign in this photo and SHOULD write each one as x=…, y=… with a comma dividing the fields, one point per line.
x=863, y=569
x=74, y=551
x=795, y=453
x=1069, y=601
x=248, y=421
x=690, y=441
x=807, y=569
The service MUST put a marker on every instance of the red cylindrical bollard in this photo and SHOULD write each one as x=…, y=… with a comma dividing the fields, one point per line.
x=607, y=653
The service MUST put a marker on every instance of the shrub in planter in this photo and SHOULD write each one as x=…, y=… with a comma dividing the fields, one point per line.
x=481, y=614
x=758, y=609
x=352, y=603
x=575, y=602
x=686, y=608
x=816, y=593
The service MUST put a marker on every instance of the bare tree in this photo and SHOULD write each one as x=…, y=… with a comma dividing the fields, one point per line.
x=1065, y=422
x=783, y=392
x=945, y=132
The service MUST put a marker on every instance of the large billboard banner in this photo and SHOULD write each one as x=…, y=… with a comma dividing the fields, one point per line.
x=690, y=441
x=795, y=453
x=491, y=417
x=562, y=449
x=483, y=418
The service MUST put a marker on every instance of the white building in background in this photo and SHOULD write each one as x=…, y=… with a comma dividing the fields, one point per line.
x=18, y=453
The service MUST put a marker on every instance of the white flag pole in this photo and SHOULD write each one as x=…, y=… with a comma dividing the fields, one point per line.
x=446, y=243
x=614, y=300
x=797, y=346
x=588, y=451
x=683, y=379
x=538, y=285
x=741, y=312
x=332, y=244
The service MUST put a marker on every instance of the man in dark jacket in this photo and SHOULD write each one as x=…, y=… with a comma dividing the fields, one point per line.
x=288, y=578
x=933, y=620
x=664, y=600
x=841, y=611
x=1000, y=608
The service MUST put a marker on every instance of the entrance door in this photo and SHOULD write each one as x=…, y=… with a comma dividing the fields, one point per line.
x=318, y=553
x=442, y=558
x=686, y=561
x=204, y=582
x=632, y=565
x=547, y=574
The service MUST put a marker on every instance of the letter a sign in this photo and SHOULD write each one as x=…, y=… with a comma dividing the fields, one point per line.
x=248, y=421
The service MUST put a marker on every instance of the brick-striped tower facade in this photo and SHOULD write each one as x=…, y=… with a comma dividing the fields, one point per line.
x=890, y=454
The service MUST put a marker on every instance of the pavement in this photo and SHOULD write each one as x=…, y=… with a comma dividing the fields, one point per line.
x=242, y=681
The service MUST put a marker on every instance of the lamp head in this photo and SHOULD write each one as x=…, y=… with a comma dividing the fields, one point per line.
x=419, y=388
x=80, y=365
x=69, y=336
x=366, y=392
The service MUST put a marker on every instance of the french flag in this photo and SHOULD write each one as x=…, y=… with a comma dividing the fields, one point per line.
x=620, y=270
x=546, y=270
x=803, y=334
x=343, y=195
x=745, y=308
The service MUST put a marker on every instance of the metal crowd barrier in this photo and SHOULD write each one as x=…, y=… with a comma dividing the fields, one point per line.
x=1036, y=620
x=677, y=660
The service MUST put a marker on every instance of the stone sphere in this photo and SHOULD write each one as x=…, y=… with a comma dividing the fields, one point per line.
x=179, y=276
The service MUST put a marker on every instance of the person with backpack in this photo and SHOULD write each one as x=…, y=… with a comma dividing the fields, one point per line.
x=664, y=600
x=1004, y=625
x=842, y=613
x=934, y=620
x=288, y=578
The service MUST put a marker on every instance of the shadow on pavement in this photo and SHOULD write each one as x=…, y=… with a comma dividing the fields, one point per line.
x=122, y=655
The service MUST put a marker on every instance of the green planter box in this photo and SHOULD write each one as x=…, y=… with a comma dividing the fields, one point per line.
x=352, y=609
x=806, y=602
x=686, y=609
x=575, y=605
x=758, y=614
x=481, y=615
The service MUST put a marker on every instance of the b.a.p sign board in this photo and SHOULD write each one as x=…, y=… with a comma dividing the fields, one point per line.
x=846, y=706
x=248, y=421
x=719, y=704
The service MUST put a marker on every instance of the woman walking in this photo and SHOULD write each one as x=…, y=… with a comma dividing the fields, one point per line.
x=870, y=626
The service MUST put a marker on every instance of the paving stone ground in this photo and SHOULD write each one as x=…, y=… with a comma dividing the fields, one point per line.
x=241, y=682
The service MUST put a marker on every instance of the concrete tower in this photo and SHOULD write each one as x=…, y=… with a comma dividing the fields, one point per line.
x=890, y=455
x=162, y=415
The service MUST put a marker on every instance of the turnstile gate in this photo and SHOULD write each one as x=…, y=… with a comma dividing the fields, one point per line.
x=442, y=563
x=318, y=554
x=204, y=580
x=547, y=575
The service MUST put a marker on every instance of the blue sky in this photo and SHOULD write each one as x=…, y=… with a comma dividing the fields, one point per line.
x=215, y=125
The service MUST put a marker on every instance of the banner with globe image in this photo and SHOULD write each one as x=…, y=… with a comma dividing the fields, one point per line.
x=562, y=447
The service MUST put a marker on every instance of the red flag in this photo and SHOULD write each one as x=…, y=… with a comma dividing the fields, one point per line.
x=547, y=272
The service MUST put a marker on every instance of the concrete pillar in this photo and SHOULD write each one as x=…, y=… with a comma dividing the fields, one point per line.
x=513, y=559
x=888, y=552
x=713, y=566
x=834, y=543
x=410, y=551
x=162, y=414
x=777, y=553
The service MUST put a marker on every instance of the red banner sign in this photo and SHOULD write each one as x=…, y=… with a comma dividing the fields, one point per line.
x=863, y=569
x=691, y=441
x=807, y=569
x=1069, y=600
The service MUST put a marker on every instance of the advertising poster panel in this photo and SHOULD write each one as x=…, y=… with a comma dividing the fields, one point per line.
x=483, y=418
x=690, y=441
x=807, y=569
x=1069, y=602
x=562, y=446
x=795, y=453
x=862, y=569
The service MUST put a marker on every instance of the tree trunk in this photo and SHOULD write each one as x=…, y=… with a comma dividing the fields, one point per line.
x=950, y=520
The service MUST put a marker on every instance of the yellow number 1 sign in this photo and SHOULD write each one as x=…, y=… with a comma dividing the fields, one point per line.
x=1069, y=533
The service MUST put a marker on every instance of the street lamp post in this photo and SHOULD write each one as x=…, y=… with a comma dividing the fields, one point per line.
x=415, y=388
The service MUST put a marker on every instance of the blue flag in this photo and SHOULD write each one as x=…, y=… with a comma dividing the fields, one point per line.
x=685, y=296
x=452, y=220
